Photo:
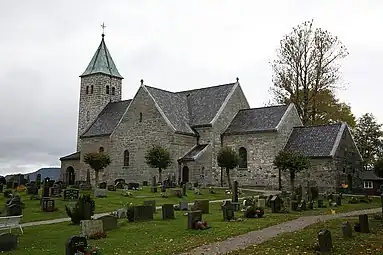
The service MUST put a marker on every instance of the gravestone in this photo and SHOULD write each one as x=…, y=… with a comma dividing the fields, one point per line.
x=325, y=240
x=320, y=202
x=167, y=211
x=91, y=227
x=275, y=204
x=14, y=206
x=143, y=213
x=363, y=222
x=100, y=192
x=338, y=200
x=32, y=190
x=75, y=245
x=47, y=205
x=193, y=217
x=294, y=205
x=45, y=192
x=310, y=205
x=8, y=242
x=71, y=194
x=227, y=210
x=133, y=185
x=151, y=203
x=176, y=192
x=235, y=192
x=121, y=213
x=145, y=183
x=55, y=191
x=346, y=229
x=184, y=190
x=201, y=205
x=184, y=205
x=111, y=188
x=262, y=202
x=154, y=184
x=102, y=185
x=109, y=222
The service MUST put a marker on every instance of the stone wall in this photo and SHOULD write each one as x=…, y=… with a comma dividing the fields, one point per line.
x=91, y=104
x=78, y=169
x=180, y=146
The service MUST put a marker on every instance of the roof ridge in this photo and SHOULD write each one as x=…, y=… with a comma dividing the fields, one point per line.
x=159, y=89
x=263, y=107
x=208, y=87
x=321, y=125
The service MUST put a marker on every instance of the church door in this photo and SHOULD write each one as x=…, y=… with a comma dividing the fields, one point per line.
x=185, y=174
x=70, y=176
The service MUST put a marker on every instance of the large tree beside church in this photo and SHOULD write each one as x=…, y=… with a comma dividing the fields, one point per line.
x=367, y=135
x=227, y=158
x=98, y=161
x=158, y=157
x=306, y=72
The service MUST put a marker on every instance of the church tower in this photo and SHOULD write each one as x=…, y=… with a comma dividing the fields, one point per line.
x=100, y=84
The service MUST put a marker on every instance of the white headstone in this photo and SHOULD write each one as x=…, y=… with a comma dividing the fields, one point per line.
x=262, y=202
x=91, y=227
x=100, y=192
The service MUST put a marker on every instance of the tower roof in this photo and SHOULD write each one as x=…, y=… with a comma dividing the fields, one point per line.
x=102, y=62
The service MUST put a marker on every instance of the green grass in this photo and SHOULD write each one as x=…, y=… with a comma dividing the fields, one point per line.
x=303, y=242
x=115, y=200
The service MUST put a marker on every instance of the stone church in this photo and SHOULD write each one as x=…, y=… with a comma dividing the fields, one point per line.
x=193, y=125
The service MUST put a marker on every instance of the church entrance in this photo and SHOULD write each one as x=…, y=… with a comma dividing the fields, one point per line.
x=70, y=176
x=185, y=174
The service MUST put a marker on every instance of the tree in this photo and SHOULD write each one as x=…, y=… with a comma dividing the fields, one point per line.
x=378, y=167
x=98, y=161
x=292, y=162
x=307, y=65
x=158, y=157
x=367, y=136
x=228, y=159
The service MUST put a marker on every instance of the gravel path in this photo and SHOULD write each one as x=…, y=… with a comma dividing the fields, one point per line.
x=260, y=236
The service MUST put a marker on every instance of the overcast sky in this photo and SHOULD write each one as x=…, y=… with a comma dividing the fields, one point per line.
x=175, y=45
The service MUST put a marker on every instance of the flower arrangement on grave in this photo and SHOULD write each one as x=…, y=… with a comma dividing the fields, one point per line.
x=97, y=235
x=92, y=251
x=83, y=209
x=254, y=212
x=21, y=188
x=201, y=225
x=127, y=193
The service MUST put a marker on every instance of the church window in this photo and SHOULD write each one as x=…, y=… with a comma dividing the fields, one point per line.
x=126, y=158
x=242, y=158
x=107, y=89
x=113, y=91
x=91, y=89
x=87, y=90
x=101, y=150
x=140, y=116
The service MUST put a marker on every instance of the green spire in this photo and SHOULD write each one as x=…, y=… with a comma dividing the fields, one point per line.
x=102, y=62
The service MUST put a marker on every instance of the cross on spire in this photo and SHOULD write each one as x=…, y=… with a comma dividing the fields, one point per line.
x=103, y=29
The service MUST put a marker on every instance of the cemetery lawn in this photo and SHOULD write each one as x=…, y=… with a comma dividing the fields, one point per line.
x=115, y=200
x=303, y=241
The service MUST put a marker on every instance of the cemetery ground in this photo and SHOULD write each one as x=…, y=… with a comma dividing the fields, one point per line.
x=169, y=236
x=113, y=201
x=304, y=241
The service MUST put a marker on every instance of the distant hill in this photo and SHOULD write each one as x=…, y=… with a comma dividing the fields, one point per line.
x=52, y=172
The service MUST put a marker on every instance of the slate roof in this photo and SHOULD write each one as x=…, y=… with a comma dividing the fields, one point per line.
x=191, y=155
x=314, y=141
x=191, y=108
x=73, y=156
x=256, y=119
x=108, y=119
x=102, y=62
x=370, y=176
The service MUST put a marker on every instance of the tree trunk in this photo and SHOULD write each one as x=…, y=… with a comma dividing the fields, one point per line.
x=279, y=179
x=292, y=179
x=221, y=177
x=160, y=175
x=96, y=173
x=228, y=177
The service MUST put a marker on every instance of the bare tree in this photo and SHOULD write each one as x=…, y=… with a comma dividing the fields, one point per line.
x=307, y=64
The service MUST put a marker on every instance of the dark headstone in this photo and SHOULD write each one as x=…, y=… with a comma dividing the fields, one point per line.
x=325, y=240
x=276, y=204
x=55, y=191
x=45, y=192
x=167, y=211
x=143, y=213
x=71, y=194
x=235, y=192
x=9, y=185
x=133, y=185
x=363, y=222
x=154, y=184
x=145, y=183
x=111, y=188
x=14, y=210
x=75, y=245
x=227, y=210
x=294, y=205
x=338, y=200
x=109, y=222
x=346, y=229
x=32, y=190
x=310, y=205
x=320, y=203
x=102, y=185
x=8, y=242
x=151, y=203
x=47, y=205
x=201, y=205
x=193, y=218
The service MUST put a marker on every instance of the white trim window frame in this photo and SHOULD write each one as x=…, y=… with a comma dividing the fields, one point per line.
x=368, y=185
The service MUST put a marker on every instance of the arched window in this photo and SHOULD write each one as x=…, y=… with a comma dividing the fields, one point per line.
x=242, y=158
x=126, y=158
x=91, y=89
x=140, y=116
x=101, y=149
x=107, y=89
x=113, y=91
x=87, y=90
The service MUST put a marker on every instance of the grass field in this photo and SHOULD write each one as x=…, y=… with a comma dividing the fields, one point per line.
x=303, y=242
x=162, y=237
x=115, y=200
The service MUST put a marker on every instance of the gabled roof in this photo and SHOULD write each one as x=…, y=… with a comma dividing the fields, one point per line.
x=370, y=176
x=194, y=153
x=108, y=119
x=102, y=62
x=192, y=108
x=315, y=141
x=73, y=156
x=256, y=120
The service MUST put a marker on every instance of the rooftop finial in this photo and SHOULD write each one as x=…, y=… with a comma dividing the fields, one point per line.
x=142, y=82
x=237, y=79
x=103, y=29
